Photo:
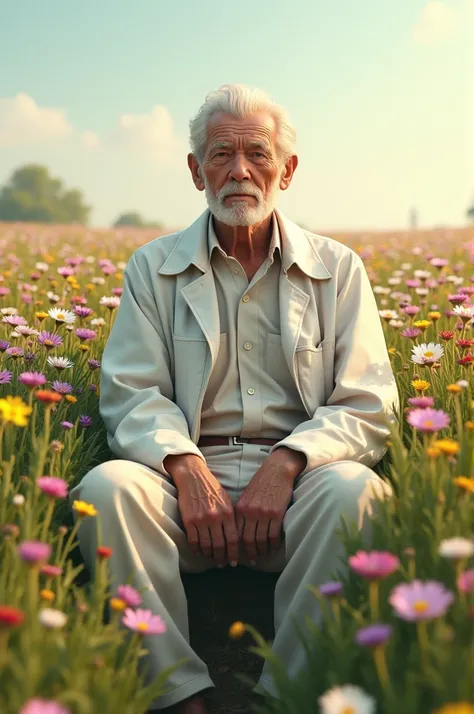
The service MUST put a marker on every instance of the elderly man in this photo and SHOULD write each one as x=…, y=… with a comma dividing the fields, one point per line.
x=246, y=390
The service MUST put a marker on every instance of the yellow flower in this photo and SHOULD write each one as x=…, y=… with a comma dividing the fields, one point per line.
x=84, y=348
x=434, y=315
x=454, y=388
x=14, y=410
x=469, y=425
x=90, y=286
x=54, y=283
x=455, y=708
x=467, y=484
x=117, y=604
x=119, y=276
x=420, y=385
x=236, y=630
x=422, y=324
x=48, y=258
x=84, y=509
x=7, y=273
x=449, y=447
x=392, y=351
x=41, y=315
x=47, y=595
x=71, y=398
x=71, y=279
x=432, y=452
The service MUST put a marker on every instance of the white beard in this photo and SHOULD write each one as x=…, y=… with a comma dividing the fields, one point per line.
x=240, y=213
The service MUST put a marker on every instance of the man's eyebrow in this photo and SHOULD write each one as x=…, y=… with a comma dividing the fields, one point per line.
x=220, y=145
x=256, y=144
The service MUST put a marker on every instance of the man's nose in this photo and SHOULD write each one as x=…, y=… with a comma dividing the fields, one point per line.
x=239, y=170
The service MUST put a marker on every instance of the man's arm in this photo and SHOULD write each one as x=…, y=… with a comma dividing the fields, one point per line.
x=143, y=423
x=353, y=424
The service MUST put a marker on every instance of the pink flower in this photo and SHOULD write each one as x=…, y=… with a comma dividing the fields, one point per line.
x=374, y=565
x=421, y=402
x=53, y=486
x=51, y=571
x=43, y=706
x=143, y=622
x=32, y=379
x=466, y=582
x=129, y=595
x=34, y=551
x=420, y=600
x=428, y=419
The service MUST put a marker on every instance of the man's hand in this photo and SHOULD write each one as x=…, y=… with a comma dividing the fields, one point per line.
x=206, y=509
x=262, y=506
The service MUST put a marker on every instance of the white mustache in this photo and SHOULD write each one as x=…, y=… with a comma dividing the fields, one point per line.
x=238, y=188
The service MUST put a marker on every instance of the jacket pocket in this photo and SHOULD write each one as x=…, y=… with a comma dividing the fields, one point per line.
x=191, y=359
x=315, y=370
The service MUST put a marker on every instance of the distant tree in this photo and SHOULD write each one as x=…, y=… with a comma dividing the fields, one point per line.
x=132, y=219
x=470, y=213
x=33, y=195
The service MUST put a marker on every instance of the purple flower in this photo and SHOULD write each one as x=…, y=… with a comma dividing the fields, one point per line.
x=374, y=565
x=66, y=425
x=331, y=588
x=62, y=387
x=5, y=377
x=439, y=262
x=49, y=340
x=85, y=421
x=413, y=283
x=4, y=345
x=420, y=600
x=34, y=551
x=129, y=595
x=421, y=402
x=373, y=635
x=43, y=706
x=411, y=310
x=65, y=272
x=428, y=419
x=466, y=581
x=53, y=486
x=411, y=332
x=93, y=387
x=93, y=364
x=85, y=334
x=32, y=379
x=82, y=311
x=14, y=320
x=457, y=299
x=14, y=352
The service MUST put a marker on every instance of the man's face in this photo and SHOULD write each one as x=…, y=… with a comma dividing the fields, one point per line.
x=241, y=171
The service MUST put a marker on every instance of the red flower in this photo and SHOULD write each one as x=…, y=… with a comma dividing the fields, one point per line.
x=48, y=397
x=104, y=552
x=10, y=616
x=446, y=335
x=463, y=344
x=465, y=361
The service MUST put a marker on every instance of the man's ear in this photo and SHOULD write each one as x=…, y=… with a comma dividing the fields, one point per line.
x=196, y=172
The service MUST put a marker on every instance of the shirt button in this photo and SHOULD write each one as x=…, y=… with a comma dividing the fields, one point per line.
x=245, y=298
x=248, y=346
x=235, y=271
x=250, y=391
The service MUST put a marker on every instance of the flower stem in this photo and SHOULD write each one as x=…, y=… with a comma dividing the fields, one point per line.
x=381, y=666
x=374, y=599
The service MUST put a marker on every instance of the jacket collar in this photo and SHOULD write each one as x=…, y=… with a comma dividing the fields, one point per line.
x=192, y=248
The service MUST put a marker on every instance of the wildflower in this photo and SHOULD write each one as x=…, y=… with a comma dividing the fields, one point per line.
x=428, y=419
x=4, y=345
x=53, y=486
x=32, y=379
x=465, y=361
x=346, y=699
x=457, y=298
x=56, y=445
x=52, y=619
x=439, y=262
x=84, y=509
x=427, y=354
x=454, y=388
x=85, y=421
x=47, y=594
x=5, y=376
x=432, y=452
x=422, y=324
x=465, y=581
x=331, y=588
x=455, y=708
x=103, y=552
x=14, y=410
x=456, y=548
x=93, y=364
x=466, y=313
x=71, y=398
x=98, y=322
x=66, y=425
x=14, y=352
x=420, y=385
x=129, y=595
x=388, y=314
x=446, y=335
x=65, y=271
x=420, y=600
x=421, y=402
x=18, y=500
x=41, y=315
x=117, y=605
x=14, y=320
x=51, y=571
x=62, y=387
x=10, y=616
x=237, y=630
x=60, y=362
x=373, y=635
x=110, y=302
x=49, y=340
x=463, y=383
x=62, y=316
x=449, y=447
x=434, y=315
x=82, y=311
x=467, y=484
x=47, y=397
x=84, y=334
x=143, y=622
x=374, y=565
x=34, y=552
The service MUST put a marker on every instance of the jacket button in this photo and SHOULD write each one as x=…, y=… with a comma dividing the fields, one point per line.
x=251, y=391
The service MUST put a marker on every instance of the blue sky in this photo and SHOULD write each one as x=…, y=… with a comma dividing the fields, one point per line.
x=381, y=93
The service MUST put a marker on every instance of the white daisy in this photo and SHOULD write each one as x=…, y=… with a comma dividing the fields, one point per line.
x=396, y=324
x=110, y=302
x=51, y=618
x=406, y=266
x=388, y=314
x=399, y=273
x=60, y=362
x=62, y=316
x=421, y=291
x=394, y=281
x=456, y=548
x=52, y=297
x=24, y=330
x=9, y=311
x=18, y=499
x=465, y=312
x=98, y=280
x=380, y=290
x=98, y=321
x=427, y=353
x=42, y=267
x=347, y=699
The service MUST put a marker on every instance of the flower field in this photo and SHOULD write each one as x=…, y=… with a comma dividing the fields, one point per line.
x=398, y=634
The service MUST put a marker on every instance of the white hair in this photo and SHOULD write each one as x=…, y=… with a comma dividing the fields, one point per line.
x=241, y=101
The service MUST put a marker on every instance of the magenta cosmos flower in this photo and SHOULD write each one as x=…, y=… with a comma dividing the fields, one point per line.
x=53, y=486
x=14, y=320
x=32, y=379
x=421, y=402
x=129, y=595
x=420, y=600
x=375, y=564
x=143, y=622
x=34, y=551
x=373, y=635
x=43, y=706
x=428, y=419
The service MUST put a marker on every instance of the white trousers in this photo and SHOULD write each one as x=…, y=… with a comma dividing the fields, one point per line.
x=140, y=521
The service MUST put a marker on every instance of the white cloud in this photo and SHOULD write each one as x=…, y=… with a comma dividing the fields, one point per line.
x=23, y=121
x=438, y=21
x=151, y=134
x=90, y=140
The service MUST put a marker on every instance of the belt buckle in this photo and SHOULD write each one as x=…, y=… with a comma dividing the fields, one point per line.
x=236, y=440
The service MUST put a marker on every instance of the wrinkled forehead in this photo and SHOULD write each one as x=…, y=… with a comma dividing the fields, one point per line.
x=256, y=131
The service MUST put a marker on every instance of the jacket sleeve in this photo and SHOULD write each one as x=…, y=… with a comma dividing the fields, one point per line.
x=353, y=425
x=143, y=423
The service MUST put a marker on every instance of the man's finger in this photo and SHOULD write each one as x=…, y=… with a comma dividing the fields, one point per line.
x=274, y=534
x=262, y=537
x=193, y=539
x=218, y=544
x=205, y=541
x=232, y=541
x=248, y=539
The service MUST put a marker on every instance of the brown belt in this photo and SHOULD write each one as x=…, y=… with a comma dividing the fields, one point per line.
x=233, y=440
